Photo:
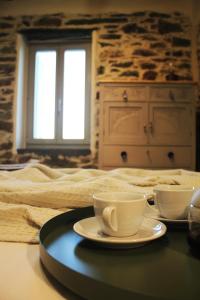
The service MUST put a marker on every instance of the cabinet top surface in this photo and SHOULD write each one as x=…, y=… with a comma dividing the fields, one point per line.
x=110, y=82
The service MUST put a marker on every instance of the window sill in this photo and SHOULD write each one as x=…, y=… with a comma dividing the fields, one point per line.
x=67, y=152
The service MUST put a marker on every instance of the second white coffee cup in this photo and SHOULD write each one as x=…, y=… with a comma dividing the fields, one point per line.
x=173, y=201
x=119, y=214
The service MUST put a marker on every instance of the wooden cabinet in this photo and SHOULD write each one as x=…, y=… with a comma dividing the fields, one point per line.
x=147, y=125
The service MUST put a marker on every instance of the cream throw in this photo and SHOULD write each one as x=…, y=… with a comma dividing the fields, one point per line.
x=31, y=196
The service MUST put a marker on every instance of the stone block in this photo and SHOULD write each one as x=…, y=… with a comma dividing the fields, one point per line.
x=147, y=65
x=110, y=36
x=6, y=81
x=48, y=21
x=7, y=69
x=150, y=75
x=111, y=26
x=169, y=27
x=180, y=42
x=6, y=126
x=123, y=64
x=6, y=106
x=7, y=59
x=158, y=45
x=159, y=15
x=184, y=65
x=7, y=91
x=138, y=14
x=105, y=44
x=114, y=70
x=100, y=70
x=3, y=34
x=93, y=21
x=5, y=115
x=129, y=74
x=144, y=52
x=178, y=53
x=149, y=20
x=4, y=25
x=6, y=146
x=6, y=156
x=150, y=37
x=7, y=50
x=133, y=28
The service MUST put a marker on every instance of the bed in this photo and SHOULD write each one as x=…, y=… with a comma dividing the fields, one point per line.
x=31, y=196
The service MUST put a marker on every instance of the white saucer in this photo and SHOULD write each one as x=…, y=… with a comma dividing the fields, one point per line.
x=153, y=213
x=90, y=229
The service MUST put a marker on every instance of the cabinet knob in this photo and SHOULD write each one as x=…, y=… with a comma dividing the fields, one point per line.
x=125, y=96
x=151, y=127
x=124, y=156
x=145, y=129
x=148, y=153
x=170, y=155
x=171, y=96
x=97, y=95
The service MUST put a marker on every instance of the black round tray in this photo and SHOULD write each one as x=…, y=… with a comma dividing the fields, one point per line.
x=162, y=269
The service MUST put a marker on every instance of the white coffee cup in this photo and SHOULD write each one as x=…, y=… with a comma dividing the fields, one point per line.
x=172, y=201
x=119, y=214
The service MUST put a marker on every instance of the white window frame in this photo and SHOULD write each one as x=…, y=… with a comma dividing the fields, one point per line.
x=58, y=142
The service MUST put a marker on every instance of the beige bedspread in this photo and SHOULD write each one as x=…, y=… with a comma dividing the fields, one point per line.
x=31, y=196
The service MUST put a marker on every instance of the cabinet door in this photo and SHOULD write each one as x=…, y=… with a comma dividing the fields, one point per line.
x=124, y=123
x=170, y=124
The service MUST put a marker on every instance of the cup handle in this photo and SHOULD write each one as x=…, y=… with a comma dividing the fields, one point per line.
x=154, y=207
x=109, y=217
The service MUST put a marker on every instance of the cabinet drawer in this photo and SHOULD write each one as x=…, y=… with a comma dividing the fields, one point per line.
x=170, y=157
x=147, y=157
x=172, y=94
x=123, y=93
x=124, y=156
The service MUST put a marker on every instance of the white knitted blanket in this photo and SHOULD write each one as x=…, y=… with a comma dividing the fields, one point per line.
x=31, y=196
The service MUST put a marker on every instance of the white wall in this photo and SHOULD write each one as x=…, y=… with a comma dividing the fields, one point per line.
x=19, y=7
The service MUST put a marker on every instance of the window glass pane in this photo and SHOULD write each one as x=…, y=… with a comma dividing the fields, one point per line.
x=74, y=94
x=44, y=95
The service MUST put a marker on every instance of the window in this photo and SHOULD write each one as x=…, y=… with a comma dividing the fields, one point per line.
x=59, y=96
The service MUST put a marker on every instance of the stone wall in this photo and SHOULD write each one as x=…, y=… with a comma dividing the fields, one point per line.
x=146, y=47
x=7, y=78
x=139, y=46
x=198, y=58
